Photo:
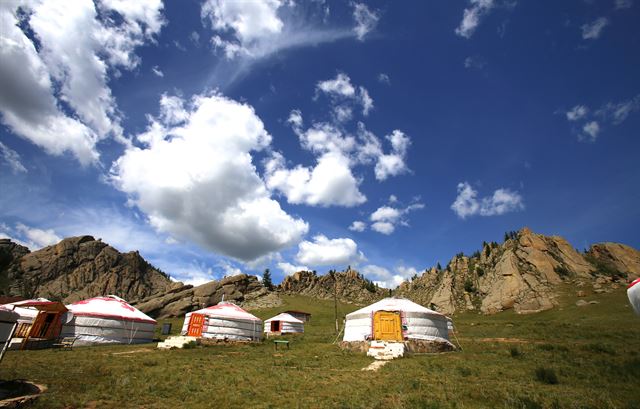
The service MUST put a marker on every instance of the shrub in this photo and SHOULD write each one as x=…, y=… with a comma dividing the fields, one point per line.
x=546, y=375
x=468, y=286
x=563, y=272
x=515, y=352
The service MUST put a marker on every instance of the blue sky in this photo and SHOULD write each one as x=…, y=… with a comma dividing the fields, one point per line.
x=225, y=136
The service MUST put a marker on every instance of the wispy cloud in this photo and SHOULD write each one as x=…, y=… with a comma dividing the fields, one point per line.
x=593, y=30
x=12, y=158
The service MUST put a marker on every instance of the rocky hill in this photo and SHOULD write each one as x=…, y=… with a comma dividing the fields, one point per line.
x=349, y=286
x=78, y=268
x=82, y=267
x=522, y=273
x=241, y=289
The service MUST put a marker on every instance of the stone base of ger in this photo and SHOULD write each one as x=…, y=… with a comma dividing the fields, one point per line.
x=411, y=346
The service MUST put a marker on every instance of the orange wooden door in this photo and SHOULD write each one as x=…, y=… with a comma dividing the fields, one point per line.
x=387, y=326
x=195, y=325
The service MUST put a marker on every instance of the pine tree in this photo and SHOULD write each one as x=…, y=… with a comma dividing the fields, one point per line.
x=266, y=279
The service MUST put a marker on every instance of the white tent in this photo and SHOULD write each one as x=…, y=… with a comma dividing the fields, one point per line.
x=107, y=320
x=396, y=319
x=633, y=292
x=283, y=324
x=223, y=321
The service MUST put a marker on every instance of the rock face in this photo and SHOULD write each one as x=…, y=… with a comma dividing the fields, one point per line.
x=522, y=273
x=239, y=289
x=616, y=257
x=78, y=268
x=350, y=286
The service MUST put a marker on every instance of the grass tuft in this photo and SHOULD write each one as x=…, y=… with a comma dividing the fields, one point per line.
x=546, y=375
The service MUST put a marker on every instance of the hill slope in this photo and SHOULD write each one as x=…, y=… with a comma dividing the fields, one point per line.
x=522, y=273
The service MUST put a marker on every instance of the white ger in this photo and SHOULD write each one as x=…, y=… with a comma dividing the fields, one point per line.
x=283, y=324
x=396, y=319
x=224, y=321
x=107, y=320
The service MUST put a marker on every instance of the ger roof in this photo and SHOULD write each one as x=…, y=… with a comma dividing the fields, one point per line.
x=227, y=310
x=394, y=304
x=110, y=307
x=285, y=318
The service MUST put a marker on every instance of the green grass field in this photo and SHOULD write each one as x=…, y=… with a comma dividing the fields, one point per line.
x=571, y=357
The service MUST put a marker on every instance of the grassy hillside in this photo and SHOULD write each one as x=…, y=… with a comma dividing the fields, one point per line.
x=574, y=357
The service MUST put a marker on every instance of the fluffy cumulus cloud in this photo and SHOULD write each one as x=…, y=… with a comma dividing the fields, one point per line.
x=195, y=180
x=12, y=159
x=358, y=226
x=472, y=16
x=53, y=55
x=593, y=30
x=322, y=251
x=502, y=201
x=386, y=218
x=365, y=18
x=31, y=237
x=588, y=124
x=288, y=268
x=329, y=183
x=388, y=279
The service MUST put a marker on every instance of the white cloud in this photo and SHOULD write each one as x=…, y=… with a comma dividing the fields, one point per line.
x=394, y=163
x=609, y=113
x=623, y=4
x=386, y=218
x=195, y=180
x=591, y=131
x=475, y=62
x=393, y=199
x=12, y=158
x=472, y=16
x=31, y=237
x=343, y=93
x=502, y=201
x=358, y=226
x=323, y=251
x=330, y=182
x=577, y=112
x=258, y=29
x=618, y=112
x=156, y=70
x=288, y=268
x=76, y=48
x=387, y=279
x=592, y=31
x=366, y=20
x=384, y=78
x=295, y=118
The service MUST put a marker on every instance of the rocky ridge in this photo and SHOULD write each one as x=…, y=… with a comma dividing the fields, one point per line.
x=77, y=268
x=349, y=286
x=522, y=273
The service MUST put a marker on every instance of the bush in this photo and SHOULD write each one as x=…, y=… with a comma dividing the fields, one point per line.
x=468, y=286
x=546, y=375
x=515, y=352
x=563, y=272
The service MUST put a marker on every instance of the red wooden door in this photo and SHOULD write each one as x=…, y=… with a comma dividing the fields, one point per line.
x=195, y=325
